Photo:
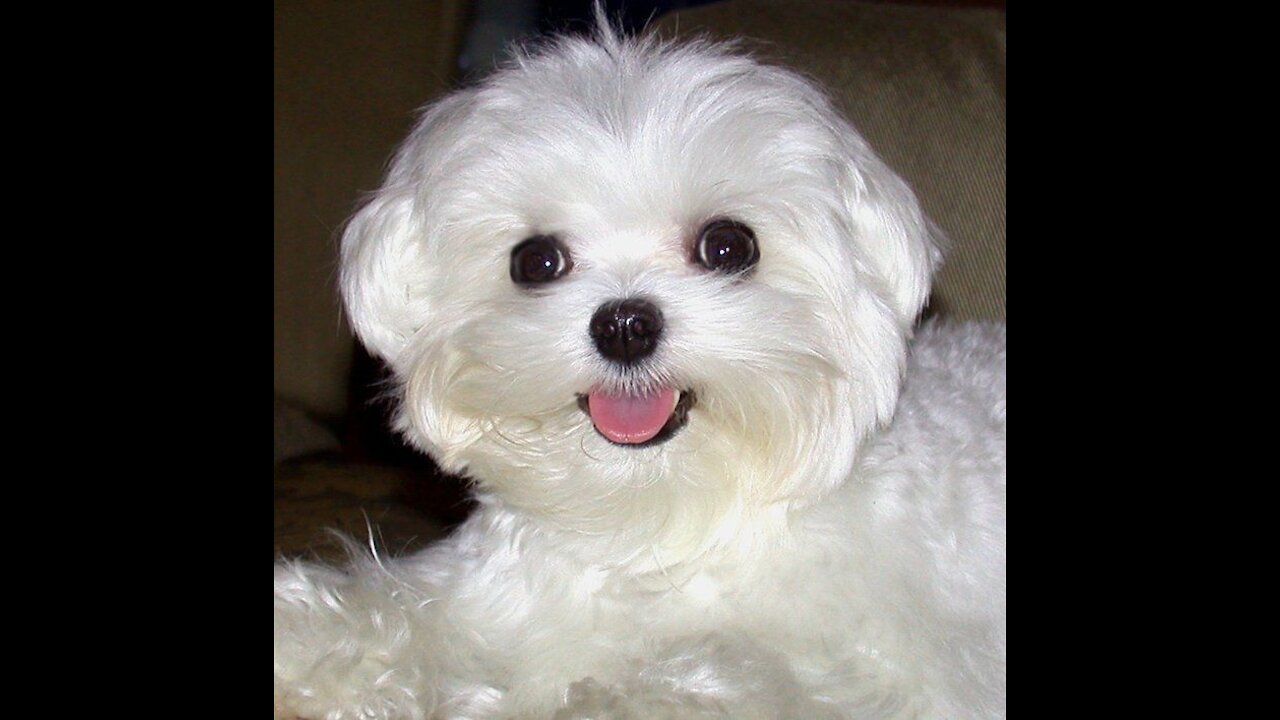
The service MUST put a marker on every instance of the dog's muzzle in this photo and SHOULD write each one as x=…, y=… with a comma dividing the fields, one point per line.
x=626, y=332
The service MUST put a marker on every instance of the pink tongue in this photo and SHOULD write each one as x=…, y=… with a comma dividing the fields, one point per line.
x=631, y=419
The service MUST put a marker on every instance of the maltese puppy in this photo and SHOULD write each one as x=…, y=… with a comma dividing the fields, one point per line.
x=655, y=302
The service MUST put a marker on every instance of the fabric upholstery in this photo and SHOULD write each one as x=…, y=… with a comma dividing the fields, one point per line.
x=348, y=77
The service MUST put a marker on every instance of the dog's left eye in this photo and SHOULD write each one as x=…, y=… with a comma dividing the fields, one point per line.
x=726, y=246
x=539, y=259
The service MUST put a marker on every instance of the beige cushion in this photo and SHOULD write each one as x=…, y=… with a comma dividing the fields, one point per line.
x=348, y=77
x=926, y=86
x=299, y=435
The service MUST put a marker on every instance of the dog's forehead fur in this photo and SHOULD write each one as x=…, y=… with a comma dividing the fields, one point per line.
x=594, y=139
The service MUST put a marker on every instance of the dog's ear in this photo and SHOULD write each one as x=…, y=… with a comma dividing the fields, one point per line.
x=386, y=281
x=385, y=271
x=390, y=277
x=377, y=272
x=903, y=247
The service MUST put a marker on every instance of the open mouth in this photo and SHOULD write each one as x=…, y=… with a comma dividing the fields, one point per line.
x=638, y=420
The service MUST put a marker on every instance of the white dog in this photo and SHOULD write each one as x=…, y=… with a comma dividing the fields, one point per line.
x=655, y=301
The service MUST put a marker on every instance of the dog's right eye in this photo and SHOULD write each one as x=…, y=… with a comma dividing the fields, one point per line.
x=540, y=259
x=726, y=246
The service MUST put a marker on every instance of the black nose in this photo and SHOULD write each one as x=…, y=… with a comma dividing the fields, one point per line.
x=626, y=330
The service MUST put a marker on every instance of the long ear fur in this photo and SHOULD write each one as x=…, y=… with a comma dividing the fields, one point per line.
x=389, y=275
x=385, y=269
x=903, y=246
x=377, y=252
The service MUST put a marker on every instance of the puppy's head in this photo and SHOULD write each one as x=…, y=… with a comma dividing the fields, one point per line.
x=624, y=280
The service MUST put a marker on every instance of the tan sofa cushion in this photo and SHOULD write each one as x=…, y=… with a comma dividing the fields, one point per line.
x=348, y=77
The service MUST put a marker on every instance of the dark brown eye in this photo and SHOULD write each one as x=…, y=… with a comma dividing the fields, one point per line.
x=540, y=259
x=726, y=246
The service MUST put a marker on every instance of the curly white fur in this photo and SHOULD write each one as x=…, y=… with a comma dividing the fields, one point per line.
x=790, y=553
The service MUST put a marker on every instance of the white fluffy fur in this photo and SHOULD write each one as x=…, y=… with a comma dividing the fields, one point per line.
x=790, y=553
